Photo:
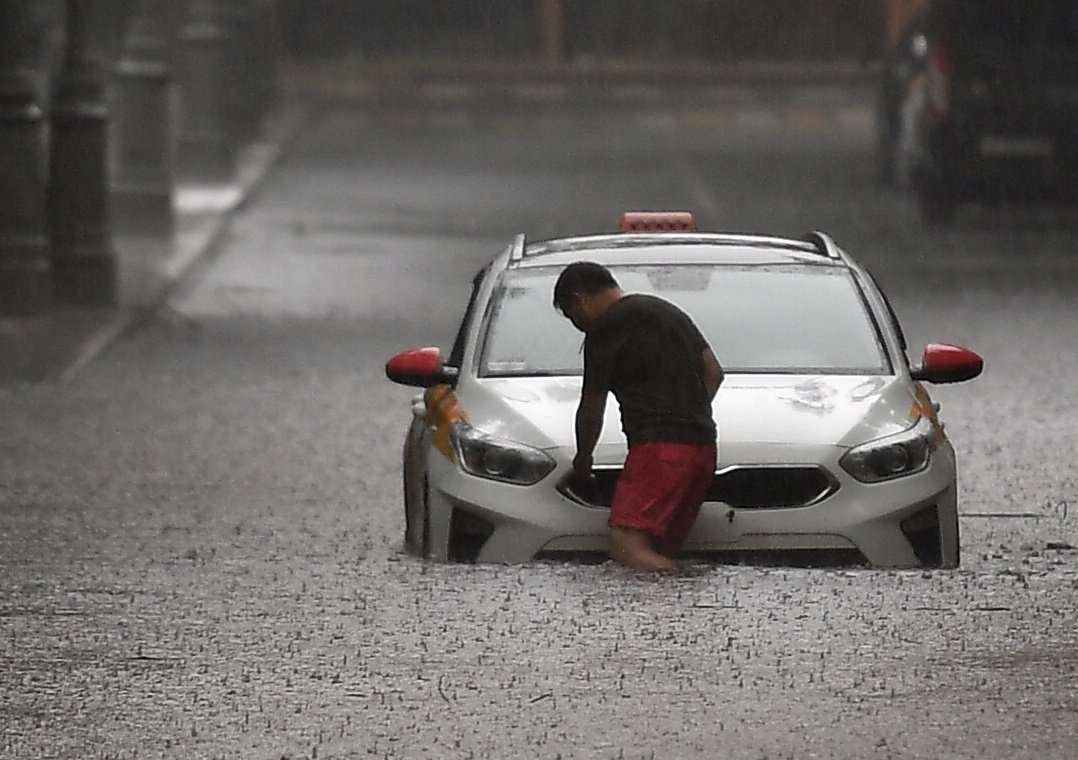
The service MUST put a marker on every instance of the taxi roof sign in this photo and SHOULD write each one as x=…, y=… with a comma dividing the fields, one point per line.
x=657, y=221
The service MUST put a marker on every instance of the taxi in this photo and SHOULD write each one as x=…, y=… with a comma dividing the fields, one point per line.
x=831, y=449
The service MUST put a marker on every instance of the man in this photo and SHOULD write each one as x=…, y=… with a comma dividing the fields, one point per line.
x=660, y=368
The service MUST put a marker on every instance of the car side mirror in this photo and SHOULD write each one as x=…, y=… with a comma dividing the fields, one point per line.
x=943, y=363
x=420, y=368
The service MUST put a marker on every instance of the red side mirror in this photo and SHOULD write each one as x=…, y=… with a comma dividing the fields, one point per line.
x=420, y=367
x=943, y=363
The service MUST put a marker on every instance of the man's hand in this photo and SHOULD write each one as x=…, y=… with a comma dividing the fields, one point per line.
x=582, y=464
x=582, y=481
x=589, y=423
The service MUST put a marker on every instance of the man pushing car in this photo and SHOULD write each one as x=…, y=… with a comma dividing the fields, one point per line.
x=660, y=368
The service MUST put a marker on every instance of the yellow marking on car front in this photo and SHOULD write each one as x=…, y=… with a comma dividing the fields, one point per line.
x=923, y=406
x=443, y=412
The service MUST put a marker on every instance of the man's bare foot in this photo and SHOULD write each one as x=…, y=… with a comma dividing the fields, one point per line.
x=635, y=549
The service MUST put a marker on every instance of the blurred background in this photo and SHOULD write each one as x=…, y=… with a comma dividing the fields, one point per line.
x=219, y=219
x=575, y=30
x=106, y=105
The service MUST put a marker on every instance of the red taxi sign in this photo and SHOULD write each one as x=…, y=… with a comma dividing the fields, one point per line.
x=657, y=221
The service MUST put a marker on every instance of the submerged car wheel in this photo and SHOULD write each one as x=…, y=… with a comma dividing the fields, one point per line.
x=424, y=527
x=409, y=523
x=417, y=526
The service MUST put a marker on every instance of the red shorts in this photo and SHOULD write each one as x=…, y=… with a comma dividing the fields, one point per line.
x=662, y=487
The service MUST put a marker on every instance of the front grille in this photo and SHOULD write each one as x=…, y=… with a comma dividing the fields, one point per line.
x=771, y=487
x=743, y=487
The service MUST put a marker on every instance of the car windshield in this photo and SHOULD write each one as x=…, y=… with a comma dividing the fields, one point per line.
x=790, y=319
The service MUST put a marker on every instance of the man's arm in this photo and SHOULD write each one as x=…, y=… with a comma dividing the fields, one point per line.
x=713, y=373
x=589, y=424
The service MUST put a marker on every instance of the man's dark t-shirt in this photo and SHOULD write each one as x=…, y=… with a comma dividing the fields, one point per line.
x=647, y=352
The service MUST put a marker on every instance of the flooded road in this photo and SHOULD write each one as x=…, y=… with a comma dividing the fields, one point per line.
x=201, y=531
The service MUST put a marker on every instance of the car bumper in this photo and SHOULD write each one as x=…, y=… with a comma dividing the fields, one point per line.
x=907, y=522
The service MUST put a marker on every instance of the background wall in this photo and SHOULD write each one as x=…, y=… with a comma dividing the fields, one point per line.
x=704, y=29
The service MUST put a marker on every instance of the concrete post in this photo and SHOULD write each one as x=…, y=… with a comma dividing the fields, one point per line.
x=243, y=109
x=269, y=52
x=83, y=260
x=205, y=151
x=25, y=274
x=142, y=144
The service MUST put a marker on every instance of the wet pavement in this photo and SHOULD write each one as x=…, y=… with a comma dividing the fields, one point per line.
x=200, y=529
x=59, y=341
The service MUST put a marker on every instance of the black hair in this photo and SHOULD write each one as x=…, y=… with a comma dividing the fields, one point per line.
x=581, y=277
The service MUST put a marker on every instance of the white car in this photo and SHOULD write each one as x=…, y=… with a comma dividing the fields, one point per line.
x=829, y=444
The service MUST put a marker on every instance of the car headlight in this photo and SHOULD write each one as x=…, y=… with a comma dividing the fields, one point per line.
x=494, y=458
x=894, y=456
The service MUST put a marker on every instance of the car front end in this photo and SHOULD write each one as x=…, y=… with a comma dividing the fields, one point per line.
x=829, y=445
x=885, y=496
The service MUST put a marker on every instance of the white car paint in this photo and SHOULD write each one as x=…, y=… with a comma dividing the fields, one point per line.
x=765, y=421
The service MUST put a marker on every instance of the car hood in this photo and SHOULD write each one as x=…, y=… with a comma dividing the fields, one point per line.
x=799, y=410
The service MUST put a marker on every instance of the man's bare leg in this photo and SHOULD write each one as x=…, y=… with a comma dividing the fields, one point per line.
x=668, y=547
x=635, y=549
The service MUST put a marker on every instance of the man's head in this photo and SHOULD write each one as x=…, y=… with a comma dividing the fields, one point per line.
x=583, y=293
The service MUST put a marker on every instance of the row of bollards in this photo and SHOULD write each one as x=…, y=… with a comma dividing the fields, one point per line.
x=96, y=131
x=83, y=262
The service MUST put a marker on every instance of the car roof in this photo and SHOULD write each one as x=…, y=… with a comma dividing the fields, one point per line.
x=676, y=248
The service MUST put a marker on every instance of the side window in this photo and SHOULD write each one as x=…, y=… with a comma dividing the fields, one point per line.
x=456, y=355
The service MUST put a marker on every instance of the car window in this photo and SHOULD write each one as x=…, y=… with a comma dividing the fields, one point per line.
x=781, y=319
x=456, y=355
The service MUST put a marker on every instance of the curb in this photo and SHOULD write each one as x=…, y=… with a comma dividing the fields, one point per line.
x=260, y=157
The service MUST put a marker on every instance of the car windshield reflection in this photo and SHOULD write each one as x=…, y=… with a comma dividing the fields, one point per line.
x=782, y=319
